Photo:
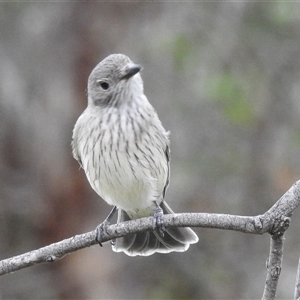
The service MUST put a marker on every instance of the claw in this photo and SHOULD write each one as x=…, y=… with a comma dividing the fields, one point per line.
x=158, y=221
x=101, y=228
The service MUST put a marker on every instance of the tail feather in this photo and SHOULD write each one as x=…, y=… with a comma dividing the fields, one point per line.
x=147, y=243
x=141, y=241
x=127, y=241
x=182, y=235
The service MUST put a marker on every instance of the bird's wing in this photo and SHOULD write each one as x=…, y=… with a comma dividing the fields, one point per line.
x=74, y=142
x=167, y=153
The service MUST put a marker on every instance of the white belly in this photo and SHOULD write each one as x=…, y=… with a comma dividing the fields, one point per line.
x=126, y=184
x=125, y=162
x=130, y=176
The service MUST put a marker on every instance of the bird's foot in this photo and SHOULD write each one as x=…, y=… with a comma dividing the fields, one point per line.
x=158, y=221
x=100, y=231
x=102, y=228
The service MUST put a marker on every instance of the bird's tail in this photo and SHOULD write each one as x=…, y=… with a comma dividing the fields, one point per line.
x=147, y=243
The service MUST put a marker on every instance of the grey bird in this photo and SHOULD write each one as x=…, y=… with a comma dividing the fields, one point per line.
x=123, y=148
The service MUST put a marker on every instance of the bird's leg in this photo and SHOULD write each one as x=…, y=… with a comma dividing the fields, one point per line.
x=102, y=227
x=158, y=220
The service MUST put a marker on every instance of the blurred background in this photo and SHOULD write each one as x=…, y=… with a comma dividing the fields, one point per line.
x=225, y=80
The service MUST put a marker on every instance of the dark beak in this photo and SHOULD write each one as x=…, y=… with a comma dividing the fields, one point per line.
x=130, y=70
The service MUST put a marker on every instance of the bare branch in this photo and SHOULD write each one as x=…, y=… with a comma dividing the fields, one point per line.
x=275, y=221
x=57, y=250
x=273, y=267
x=297, y=285
x=49, y=253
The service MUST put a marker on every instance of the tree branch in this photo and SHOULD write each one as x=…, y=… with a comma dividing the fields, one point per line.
x=297, y=285
x=58, y=250
x=273, y=267
x=275, y=221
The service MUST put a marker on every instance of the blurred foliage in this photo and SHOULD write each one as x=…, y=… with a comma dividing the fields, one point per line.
x=230, y=95
x=282, y=12
x=182, y=48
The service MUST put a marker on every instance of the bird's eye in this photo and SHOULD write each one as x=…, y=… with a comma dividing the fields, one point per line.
x=103, y=84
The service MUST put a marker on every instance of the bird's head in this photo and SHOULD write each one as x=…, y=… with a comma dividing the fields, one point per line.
x=114, y=80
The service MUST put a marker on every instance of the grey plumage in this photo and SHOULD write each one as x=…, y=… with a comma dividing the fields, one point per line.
x=124, y=150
